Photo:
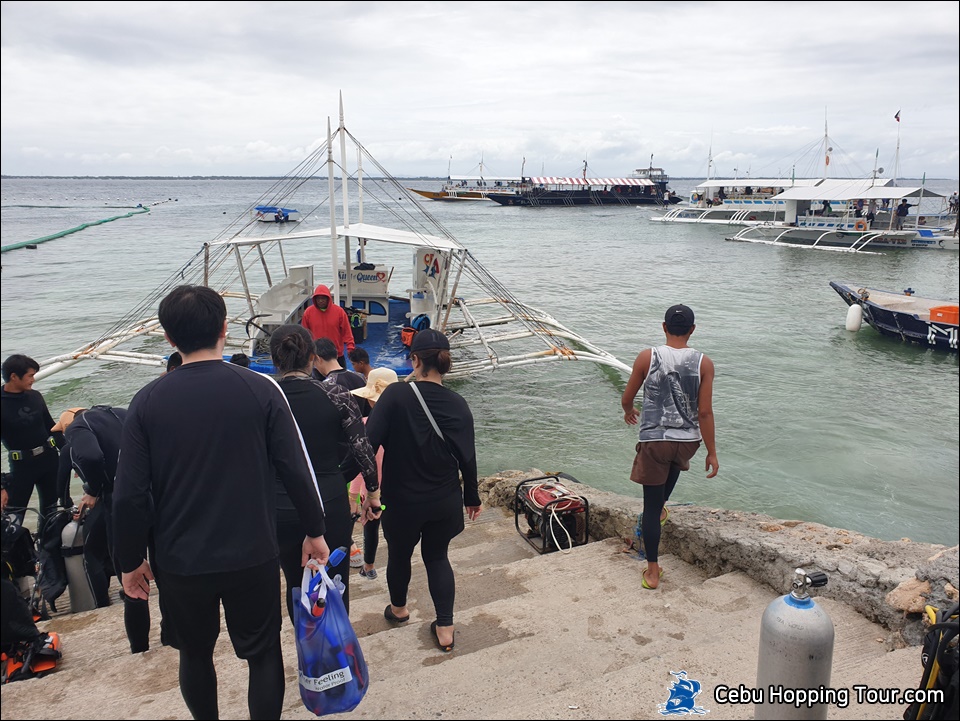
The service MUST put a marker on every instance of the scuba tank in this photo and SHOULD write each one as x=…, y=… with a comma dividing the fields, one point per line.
x=78, y=583
x=796, y=654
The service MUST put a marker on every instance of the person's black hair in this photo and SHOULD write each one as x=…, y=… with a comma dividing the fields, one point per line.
x=240, y=359
x=18, y=365
x=174, y=360
x=193, y=316
x=438, y=359
x=359, y=355
x=326, y=349
x=291, y=347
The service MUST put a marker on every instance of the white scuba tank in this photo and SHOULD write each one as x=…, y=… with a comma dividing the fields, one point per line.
x=78, y=582
x=796, y=654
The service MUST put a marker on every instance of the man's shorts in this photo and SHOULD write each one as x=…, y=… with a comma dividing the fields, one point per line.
x=251, y=605
x=654, y=459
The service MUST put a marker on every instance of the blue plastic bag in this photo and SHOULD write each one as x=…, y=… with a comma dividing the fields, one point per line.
x=332, y=672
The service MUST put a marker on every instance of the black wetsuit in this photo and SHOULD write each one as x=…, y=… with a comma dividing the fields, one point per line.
x=421, y=490
x=328, y=419
x=204, y=445
x=25, y=425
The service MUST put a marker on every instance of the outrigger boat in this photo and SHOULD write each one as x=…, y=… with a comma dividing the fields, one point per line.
x=905, y=316
x=811, y=221
x=267, y=272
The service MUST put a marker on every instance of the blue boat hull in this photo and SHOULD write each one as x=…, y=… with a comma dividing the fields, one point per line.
x=901, y=325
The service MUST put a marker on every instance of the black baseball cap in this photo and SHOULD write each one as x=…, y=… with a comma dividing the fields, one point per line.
x=679, y=319
x=429, y=339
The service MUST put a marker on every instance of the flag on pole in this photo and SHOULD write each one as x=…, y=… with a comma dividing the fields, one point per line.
x=897, y=116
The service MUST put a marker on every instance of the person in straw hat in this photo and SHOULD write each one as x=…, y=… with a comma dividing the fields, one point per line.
x=377, y=380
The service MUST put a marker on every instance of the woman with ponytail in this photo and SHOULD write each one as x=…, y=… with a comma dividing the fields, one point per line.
x=426, y=432
x=326, y=414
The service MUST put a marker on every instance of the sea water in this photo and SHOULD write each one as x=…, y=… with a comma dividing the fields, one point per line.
x=852, y=430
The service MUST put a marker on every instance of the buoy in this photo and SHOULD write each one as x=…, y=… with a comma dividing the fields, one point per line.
x=71, y=548
x=854, y=317
x=796, y=654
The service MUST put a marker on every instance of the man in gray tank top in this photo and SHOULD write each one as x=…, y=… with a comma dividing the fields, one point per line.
x=676, y=415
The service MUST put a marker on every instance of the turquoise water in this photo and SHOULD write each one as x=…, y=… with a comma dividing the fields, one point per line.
x=813, y=422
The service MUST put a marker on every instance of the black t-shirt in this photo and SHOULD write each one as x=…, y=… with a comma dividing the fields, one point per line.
x=418, y=466
x=25, y=422
x=205, y=444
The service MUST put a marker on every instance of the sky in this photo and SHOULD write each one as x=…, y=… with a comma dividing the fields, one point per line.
x=238, y=88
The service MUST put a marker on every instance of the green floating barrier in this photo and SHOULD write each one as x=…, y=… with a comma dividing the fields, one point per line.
x=82, y=226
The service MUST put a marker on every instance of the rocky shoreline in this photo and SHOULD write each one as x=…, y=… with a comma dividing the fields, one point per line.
x=888, y=582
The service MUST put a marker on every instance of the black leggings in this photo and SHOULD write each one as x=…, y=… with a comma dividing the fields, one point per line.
x=654, y=499
x=339, y=532
x=265, y=685
x=433, y=526
x=371, y=540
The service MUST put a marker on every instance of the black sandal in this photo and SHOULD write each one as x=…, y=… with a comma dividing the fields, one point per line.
x=445, y=648
x=392, y=617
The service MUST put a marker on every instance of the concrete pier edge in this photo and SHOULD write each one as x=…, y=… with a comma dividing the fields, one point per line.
x=888, y=582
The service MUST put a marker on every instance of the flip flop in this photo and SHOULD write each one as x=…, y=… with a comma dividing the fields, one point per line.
x=445, y=648
x=663, y=521
x=392, y=617
x=643, y=581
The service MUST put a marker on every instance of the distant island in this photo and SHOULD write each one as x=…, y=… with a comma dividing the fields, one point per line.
x=367, y=177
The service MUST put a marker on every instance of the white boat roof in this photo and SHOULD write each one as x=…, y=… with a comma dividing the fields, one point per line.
x=759, y=182
x=853, y=189
x=553, y=180
x=356, y=230
x=494, y=178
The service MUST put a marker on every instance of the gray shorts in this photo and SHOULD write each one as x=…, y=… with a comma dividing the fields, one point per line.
x=654, y=458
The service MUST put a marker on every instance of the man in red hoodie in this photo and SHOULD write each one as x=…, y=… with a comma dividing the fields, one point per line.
x=326, y=319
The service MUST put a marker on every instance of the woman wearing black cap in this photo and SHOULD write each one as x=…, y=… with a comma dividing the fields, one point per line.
x=427, y=435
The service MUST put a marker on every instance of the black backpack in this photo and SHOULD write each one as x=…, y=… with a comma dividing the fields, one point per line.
x=941, y=665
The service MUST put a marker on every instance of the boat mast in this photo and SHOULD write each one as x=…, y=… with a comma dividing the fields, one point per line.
x=333, y=216
x=344, y=184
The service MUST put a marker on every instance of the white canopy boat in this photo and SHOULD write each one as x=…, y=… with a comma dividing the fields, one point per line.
x=811, y=221
x=266, y=273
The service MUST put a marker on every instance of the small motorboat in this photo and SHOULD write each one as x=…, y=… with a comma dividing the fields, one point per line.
x=902, y=315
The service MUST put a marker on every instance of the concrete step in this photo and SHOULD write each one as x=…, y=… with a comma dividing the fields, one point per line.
x=561, y=635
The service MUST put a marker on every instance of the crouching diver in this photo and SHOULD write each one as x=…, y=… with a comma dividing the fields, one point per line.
x=91, y=448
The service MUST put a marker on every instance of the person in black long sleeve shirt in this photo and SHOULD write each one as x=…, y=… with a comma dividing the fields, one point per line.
x=25, y=424
x=200, y=450
x=421, y=473
x=328, y=418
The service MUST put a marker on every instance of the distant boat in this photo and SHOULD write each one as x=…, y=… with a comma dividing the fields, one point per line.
x=826, y=217
x=470, y=187
x=276, y=214
x=931, y=323
x=645, y=186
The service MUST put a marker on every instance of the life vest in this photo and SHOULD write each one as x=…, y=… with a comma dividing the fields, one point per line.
x=407, y=334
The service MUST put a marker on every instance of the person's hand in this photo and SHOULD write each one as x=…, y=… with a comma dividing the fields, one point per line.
x=630, y=417
x=315, y=547
x=473, y=512
x=372, y=508
x=4, y=499
x=136, y=584
x=86, y=503
x=354, y=504
x=713, y=463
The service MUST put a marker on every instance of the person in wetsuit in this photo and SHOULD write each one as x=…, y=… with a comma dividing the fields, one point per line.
x=201, y=450
x=25, y=424
x=328, y=417
x=92, y=449
x=421, y=470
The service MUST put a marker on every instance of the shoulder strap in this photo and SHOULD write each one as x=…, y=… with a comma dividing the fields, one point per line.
x=416, y=392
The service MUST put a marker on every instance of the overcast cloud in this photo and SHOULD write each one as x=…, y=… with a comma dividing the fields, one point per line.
x=208, y=88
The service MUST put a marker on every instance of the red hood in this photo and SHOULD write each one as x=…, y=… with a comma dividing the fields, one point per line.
x=322, y=290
